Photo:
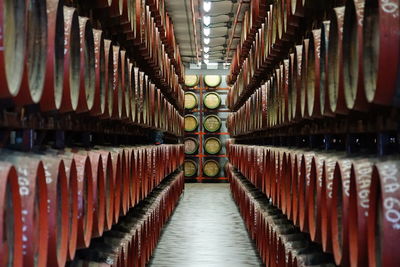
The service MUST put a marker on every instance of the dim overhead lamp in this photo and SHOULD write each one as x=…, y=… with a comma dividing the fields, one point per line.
x=207, y=31
x=206, y=20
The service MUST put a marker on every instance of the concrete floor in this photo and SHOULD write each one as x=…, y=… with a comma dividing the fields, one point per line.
x=206, y=230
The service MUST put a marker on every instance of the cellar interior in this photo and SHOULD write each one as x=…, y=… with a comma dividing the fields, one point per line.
x=199, y=133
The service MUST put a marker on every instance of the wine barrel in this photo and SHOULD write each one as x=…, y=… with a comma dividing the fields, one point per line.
x=99, y=102
x=191, y=146
x=53, y=84
x=212, y=80
x=384, y=214
x=212, y=145
x=87, y=66
x=324, y=70
x=335, y=63
x=340, y=216
x=33, y=78
x=12, y=22
x=10, y=217
x=191, y=123
x=190, y=168
x=33, y=192
x=313, y=75
x=191, y=80
x=211, y=168
x=125, y=86
x=70, y=95
x=360, y=181
x=212, y=123
x=58, y=209
x=212, y=100
x=353, y=55
x=381, y=50
x=116, y=88
x=108, y=77
x=190, y=100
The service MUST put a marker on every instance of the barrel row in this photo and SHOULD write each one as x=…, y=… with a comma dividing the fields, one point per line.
x=351, y=205
x=348, y=61
x=278, y=241
x=167, y=34
x=253, y=19
x=54, y=202
x=143, y=25
x=132, y=241
x=58, y=60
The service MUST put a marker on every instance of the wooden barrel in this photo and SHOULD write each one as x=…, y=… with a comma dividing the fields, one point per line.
x=11, y=224
x=212, y=80
x=335, y=63
x=212, y=123
x=324, y=70
x=211, y=168
x=191, y=80
x=353, y=64
x=191, y=146
x=191, y=123
x=190, y=168
x=212, y=145
x=190, y=100
x=381, y=50
x=212, y=100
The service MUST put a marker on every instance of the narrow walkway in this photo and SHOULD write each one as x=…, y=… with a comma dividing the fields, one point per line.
x=206, y=230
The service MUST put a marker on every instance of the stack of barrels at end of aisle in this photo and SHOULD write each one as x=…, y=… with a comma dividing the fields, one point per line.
x=58, y=61
x=278, y=241
x=132, y=241
x=54, y=202
x=349, y=62
x=348, y=204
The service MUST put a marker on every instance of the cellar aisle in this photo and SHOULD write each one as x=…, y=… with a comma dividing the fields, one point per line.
x=206, y=230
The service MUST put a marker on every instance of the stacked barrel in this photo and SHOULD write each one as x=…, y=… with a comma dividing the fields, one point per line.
x=348, y=204
x=108, y=71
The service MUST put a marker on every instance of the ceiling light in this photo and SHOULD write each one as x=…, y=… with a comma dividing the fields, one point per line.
x=206, y=61
x=207, y=31
x=206, y=56
x=206, y=20
x=206, y=49
x=207, y=6
x=206, y=40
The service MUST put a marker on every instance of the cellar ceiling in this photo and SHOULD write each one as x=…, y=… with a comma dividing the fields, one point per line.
x=222, y=15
